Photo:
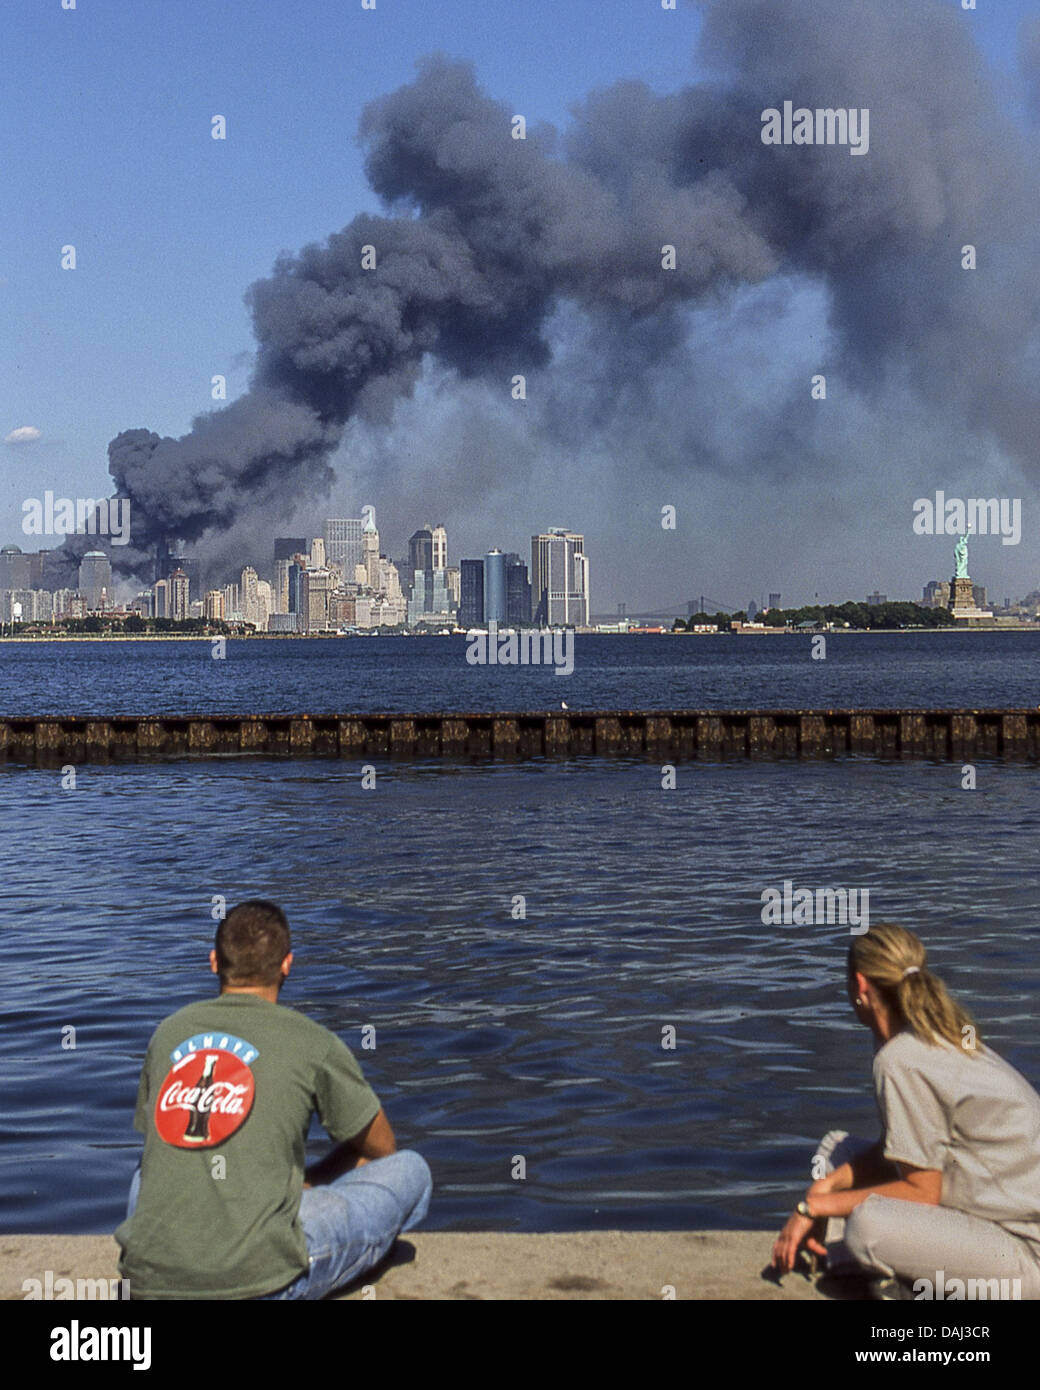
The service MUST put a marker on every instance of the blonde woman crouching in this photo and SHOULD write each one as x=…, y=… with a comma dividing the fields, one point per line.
x=951, y=1190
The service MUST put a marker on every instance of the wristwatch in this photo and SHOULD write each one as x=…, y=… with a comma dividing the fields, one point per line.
x=803, y=1210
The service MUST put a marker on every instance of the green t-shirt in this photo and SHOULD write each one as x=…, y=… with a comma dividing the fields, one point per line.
x=227, y=1091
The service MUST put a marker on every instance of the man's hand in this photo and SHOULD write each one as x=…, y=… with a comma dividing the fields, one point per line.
x=376, y=1140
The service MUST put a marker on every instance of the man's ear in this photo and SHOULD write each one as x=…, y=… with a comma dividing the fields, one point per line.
x=287, y=965
x=213, y=962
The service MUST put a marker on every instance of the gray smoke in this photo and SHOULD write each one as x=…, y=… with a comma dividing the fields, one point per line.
x=487, y=239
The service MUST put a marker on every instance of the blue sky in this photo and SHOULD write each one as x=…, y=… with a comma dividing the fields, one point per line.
x=105, y=142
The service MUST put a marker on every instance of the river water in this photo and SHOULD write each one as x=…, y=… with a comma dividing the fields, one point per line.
x=501, y=1034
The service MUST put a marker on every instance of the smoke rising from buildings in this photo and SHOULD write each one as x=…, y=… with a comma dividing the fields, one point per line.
x=488, y=243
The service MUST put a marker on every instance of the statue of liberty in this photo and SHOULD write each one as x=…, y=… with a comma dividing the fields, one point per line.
x=960, y=555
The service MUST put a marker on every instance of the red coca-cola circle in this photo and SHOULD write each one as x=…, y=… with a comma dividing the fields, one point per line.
x=206, y=1096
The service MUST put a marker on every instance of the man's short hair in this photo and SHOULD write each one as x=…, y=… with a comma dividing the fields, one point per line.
x=252, y=941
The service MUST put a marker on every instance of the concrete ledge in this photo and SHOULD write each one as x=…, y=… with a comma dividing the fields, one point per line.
x=716, y=735
x=582, y=1265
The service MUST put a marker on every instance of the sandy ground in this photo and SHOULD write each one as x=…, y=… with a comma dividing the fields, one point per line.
x=584, y=1265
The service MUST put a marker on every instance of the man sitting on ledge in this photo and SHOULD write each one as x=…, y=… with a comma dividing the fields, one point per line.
x=219, y=1206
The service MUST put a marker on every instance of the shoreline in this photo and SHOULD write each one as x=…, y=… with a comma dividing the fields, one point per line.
x=477, y=1266
x=579, y=632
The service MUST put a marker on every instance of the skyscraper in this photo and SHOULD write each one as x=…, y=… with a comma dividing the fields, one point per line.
x=370, y=559
x=439, y=538
x=420, y=550
x=179, y=596
x=559, y=578
x=495, y=587
x=248, y=596
x=15, y=568
x=471, y=602
x=285, y=547
x=95, y=580
x=343, y=544
x=518, y=591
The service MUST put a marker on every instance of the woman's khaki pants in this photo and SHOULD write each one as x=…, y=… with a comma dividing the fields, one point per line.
x=944, y=1253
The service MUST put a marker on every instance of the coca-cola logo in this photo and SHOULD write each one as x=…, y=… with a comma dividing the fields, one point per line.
x=205, y=1097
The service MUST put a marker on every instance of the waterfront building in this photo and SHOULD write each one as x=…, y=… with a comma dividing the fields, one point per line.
x=214, y=604
x=288, y=547
x=161, y=598
x=15, y=568
x=471, y=599
x=179, y=596
x=280, y=600
x=344, y=547
x=559, y=578
x=95, y=579
x=439, y=547
x=518, y=591
x=495, y=587
x=420, y=550
x=316, y=589
x=248, y=600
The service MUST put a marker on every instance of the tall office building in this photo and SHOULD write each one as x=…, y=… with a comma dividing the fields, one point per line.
x=774, y=601
x=281, y=586
x=285, y=547
x=46, y=570
x=471, y=599
x=317, y=587
x=439, y=547
x=168, y=560
x=180, y=599
x=317, y=553
x=248, y=596
x=161, y=598
x=559, y=578
x=343, y=544
x=453, y=580
x=214, y=604
x=495, y=587
x=296, y=588
x=420, y=550
x=95, y=580
x=15, y=568
x=518, y=591
x=370, y=559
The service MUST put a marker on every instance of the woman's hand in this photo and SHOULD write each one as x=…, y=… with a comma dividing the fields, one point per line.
x=790, y=1240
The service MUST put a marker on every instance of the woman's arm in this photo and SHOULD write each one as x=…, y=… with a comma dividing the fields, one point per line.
x=870, y=1167
x=915, y=1185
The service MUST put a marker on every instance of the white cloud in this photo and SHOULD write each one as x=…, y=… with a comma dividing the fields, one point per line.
x=24, y=434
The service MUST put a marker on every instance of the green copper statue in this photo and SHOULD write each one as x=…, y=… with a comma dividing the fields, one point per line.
x=960, y=555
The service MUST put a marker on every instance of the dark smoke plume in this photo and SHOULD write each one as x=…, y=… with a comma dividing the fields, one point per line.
x=485, y=236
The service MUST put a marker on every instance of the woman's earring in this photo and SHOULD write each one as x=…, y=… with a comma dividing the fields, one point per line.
x=859, y=999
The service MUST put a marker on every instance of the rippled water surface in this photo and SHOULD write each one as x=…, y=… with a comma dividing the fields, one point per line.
x=499, y=1035
x=417, y=674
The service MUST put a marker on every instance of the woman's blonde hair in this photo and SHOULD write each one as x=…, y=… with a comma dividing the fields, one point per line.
x=893, y=960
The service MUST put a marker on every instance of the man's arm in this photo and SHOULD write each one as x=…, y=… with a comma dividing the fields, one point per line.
x=376, y=1140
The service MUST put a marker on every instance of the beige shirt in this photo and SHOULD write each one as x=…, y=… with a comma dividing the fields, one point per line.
x=972, y=1117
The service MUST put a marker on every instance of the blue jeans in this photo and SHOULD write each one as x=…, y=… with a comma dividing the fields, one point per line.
x=350, y=1224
